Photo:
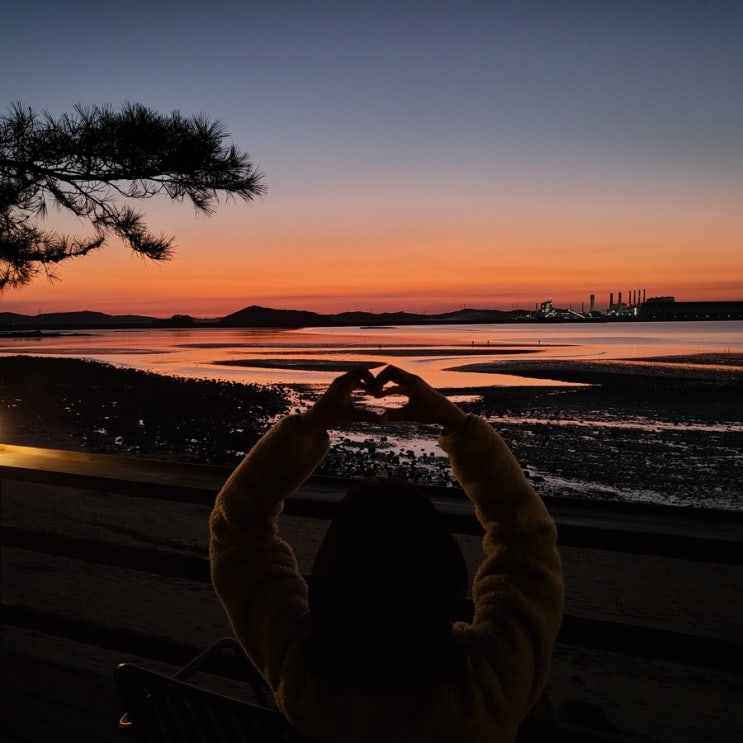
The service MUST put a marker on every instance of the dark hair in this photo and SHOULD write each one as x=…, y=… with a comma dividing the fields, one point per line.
x=388, y=581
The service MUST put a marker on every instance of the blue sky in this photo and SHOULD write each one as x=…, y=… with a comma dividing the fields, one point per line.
x=609, y=125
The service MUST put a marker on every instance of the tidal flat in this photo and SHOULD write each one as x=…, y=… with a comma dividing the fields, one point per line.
x=666, y=430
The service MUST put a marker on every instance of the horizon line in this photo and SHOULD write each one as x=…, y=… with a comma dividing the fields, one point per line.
x=461, y=308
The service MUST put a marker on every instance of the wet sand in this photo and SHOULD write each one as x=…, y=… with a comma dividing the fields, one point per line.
x=688, y=370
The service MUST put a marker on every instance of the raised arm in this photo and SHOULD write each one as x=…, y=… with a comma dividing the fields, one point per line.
x=254, y=571
x=518, y=589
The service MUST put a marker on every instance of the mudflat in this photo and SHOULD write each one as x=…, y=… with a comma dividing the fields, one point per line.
x=666, y=430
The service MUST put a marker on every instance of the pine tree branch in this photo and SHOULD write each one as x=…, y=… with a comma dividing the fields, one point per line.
x=89, y=161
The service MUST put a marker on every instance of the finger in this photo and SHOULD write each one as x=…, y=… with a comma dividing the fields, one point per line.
x=391, y=374
x=366, y=379
x=409, y=382
x=352, y=375
x=405, y=381
x=351, y=379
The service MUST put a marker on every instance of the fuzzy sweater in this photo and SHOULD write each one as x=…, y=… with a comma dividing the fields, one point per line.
x=517, y=591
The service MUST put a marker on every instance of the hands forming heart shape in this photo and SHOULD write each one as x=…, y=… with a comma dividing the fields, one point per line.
x=337, y=407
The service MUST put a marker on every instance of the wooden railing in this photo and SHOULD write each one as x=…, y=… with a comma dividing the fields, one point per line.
x=661, y=531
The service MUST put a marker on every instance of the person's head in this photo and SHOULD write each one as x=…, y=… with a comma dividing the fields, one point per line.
x=388, y=582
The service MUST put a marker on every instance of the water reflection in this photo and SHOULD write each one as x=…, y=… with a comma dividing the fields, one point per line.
x=312, y=355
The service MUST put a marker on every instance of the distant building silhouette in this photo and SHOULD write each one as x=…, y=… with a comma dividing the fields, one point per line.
x=667, y=308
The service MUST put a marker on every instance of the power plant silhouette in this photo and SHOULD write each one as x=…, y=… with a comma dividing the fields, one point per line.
x=639, y=306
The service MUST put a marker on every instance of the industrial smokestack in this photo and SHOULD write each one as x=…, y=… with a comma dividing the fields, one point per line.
x=611, y=300
x=593, y=302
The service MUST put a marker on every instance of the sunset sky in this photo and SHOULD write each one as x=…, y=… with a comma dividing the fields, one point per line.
x=419, y=156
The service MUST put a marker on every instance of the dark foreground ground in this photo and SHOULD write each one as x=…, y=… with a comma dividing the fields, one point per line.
x=678, y=433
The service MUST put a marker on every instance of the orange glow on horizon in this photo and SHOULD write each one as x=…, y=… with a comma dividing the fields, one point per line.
x=424, y=264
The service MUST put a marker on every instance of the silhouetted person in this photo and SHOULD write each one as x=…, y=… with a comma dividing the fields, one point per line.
x=372, y=651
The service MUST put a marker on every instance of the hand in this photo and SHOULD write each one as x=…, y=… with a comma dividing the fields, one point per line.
x=336, y=407
x=425, y=404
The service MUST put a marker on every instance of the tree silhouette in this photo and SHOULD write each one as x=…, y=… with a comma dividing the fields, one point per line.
x=90, y=163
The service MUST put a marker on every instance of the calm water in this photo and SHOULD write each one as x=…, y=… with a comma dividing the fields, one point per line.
x=431, y=351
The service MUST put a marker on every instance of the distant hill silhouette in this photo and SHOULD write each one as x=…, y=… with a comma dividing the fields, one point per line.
x=253, y=316
x=264, y=317
x=256, y=316
x=83, y=319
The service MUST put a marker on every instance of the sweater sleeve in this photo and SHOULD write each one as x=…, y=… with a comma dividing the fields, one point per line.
x=254, y=571
x=518, y=589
